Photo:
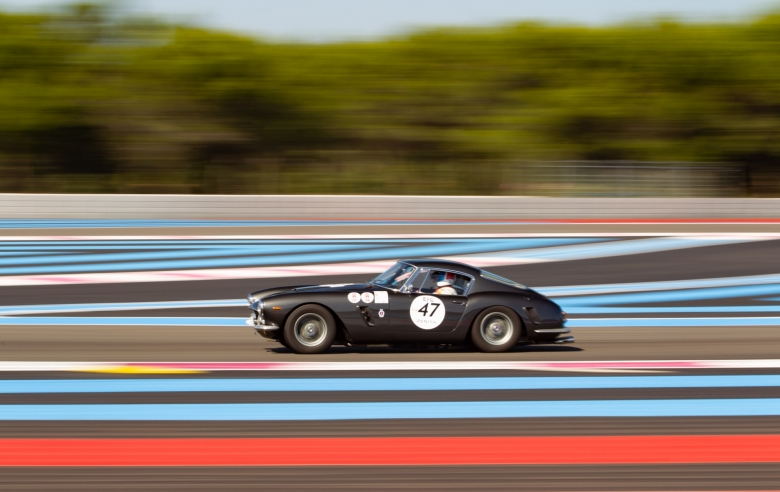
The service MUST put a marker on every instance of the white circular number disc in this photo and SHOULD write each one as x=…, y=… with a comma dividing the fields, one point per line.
x=367, y=297
x=427, y=312
x=353, y=297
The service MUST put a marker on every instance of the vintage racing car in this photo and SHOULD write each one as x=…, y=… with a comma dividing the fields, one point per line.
x=424, y=301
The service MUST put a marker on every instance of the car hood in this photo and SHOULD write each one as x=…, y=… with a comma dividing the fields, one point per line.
x=262, y=294
x=332, y=288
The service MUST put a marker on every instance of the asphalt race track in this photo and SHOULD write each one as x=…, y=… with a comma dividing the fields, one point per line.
x=125, y=363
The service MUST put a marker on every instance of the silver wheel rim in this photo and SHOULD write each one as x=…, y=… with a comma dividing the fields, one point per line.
x=310, y=329
x=496, y=328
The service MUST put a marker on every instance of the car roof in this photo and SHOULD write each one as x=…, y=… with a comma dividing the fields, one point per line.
x=443, y=264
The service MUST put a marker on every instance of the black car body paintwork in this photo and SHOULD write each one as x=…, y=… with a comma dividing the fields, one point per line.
x=362, y=323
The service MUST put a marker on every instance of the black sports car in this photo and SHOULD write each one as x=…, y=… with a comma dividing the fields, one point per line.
x=416, y=301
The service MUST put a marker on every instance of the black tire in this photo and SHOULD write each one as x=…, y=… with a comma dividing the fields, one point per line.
x=496, y=329
x=310, y=329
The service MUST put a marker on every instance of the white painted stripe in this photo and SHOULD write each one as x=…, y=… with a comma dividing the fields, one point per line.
x=372, y=267
x=38, y=366
x=126, y=306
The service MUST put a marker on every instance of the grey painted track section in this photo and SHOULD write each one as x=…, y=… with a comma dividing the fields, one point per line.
x=139, y=344
x=536, y=478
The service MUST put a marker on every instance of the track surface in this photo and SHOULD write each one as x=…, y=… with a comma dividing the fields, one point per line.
x=168, y=343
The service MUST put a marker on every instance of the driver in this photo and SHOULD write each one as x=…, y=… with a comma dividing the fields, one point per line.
x=444, y=284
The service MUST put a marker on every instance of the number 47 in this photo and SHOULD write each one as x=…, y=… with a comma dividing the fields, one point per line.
x=424, y=309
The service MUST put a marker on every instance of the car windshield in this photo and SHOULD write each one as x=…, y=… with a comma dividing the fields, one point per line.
x=501, y=280
x=395, y=277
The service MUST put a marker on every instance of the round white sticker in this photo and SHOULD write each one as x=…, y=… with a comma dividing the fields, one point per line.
x=353, y=297
x=367, y=297
x=427, y=312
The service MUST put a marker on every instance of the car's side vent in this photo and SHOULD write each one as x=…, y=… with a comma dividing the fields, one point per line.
x=533, y=315
x=365, y=313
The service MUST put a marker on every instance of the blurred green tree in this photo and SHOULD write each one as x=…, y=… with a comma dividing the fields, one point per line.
x=92, y=101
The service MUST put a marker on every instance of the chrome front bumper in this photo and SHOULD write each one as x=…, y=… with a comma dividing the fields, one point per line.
x=256, y=320
x=553, y=330
x=561, y=331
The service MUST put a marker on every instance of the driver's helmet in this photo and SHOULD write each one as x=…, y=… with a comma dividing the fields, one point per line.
x=445, y=278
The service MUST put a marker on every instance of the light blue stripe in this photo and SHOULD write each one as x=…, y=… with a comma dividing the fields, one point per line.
x=675, y=296
x=561, y=291
x=618, y=248
x=664, y=309
x=395, y=410
x=440, y=249
x=20, y=252
x=114, y=321
x=126, y=306
x=665, y=322
x=40, y=386
x=181, y=253
x=505, y=242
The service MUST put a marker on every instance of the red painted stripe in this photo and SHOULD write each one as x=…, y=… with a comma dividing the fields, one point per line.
x=623, y=220
x=638, y=220
x=391, y=451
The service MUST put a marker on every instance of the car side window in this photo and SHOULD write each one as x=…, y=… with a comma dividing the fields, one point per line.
x=443, y=282
x=419, y=280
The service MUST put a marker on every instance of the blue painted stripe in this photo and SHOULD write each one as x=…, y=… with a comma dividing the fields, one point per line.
x=618, y=248
x=114, y=321
x=395, y=410
x=17, y=253
x=380, y=384
x=674, y=296
x=322, y=254
x=561, y=291
x=181, y=253
x=124, y=306
x=676, y=322
x=664, y=309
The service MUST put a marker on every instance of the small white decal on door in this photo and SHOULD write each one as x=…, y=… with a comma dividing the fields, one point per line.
x=380, y=297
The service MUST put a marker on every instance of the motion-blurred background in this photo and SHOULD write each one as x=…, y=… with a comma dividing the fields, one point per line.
x=595, y=98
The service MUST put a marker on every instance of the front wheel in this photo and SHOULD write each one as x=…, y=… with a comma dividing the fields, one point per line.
x=310, y=329
x=496, y=329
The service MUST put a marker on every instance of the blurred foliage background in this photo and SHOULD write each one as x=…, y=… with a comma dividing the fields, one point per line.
x=91, y=101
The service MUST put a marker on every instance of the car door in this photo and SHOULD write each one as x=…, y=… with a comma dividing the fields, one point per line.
x=420, y=312
x=363, y=311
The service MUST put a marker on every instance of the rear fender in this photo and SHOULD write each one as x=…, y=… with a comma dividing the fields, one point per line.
x=524, y=321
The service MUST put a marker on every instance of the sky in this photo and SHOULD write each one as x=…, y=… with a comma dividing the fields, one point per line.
x=333, y=20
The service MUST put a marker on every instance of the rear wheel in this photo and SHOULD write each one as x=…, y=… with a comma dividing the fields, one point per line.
x=496, y=329
x=310, y=329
